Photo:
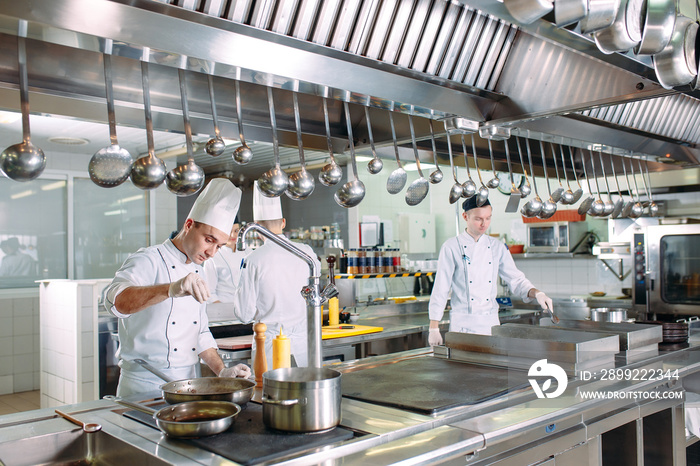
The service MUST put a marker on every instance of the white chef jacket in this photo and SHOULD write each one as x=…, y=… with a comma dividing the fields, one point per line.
x=17, y=264
x=223, y=274
x=169, y=335
x=471, y=269
x=270, y=292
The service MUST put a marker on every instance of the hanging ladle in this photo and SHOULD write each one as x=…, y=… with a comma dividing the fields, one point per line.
x=468, y=187
x=456, y=189
x=88, y=428
x=375, y=165
x=331, y=173
x=586, y=204
x=482, y=194
x=352, y=192
x=111, y=165
x=301, y=184
x=526, y=188
x=567, y=196
x=493, y=182
x=273, y=182
x=23, y=161
x=242, y=154
x=397, y=178
x=549, y=207
x=609, y=204
x=637, y=208
x=653, y=206
x=598, y=207
x=579, y=192
x=437, y=175
x=185, y=180
x=148, y=172
x=418, y=189
x=216, y=145
x=619, y=204
x=534, y=206
x=558, y=193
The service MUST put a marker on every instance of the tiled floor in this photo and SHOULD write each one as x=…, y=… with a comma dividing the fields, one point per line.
x=18, y=402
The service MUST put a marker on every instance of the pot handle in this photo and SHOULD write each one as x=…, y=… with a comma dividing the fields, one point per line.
x=299, y=401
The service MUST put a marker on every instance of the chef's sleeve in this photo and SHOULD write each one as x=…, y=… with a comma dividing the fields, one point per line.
x=443, y=282
x=138, y=270
x=517, y=282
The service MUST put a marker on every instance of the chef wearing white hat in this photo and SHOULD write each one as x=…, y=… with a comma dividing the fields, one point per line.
x=159, y=295
x=271, y=283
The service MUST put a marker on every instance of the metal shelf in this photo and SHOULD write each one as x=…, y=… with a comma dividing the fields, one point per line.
x=381, y=275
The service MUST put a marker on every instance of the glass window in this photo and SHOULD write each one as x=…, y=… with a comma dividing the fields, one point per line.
x=680, y=269
x=110, y=224
x=33, y=237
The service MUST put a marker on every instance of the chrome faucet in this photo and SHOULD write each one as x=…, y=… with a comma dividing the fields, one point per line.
x=312, y=293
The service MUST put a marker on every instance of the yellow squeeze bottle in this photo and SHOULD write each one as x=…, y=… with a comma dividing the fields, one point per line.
x=333, y=312
x=281, y=351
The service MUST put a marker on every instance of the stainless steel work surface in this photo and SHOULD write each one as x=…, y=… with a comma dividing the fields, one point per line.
x=586, y=345
x=429, y=385
x=631, y=335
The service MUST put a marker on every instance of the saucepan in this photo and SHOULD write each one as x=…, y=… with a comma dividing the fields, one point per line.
x=231, y=389
x=604, y=314
x=189, y=420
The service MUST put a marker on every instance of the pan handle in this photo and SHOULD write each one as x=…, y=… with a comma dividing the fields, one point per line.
x=152, y=369
x=131, y=405
x=299, y=401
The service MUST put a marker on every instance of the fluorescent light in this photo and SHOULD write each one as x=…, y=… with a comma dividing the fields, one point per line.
x=114, y=212
x=22, y=194
x=412, y=167
x=56, y=185
x=137, y=197
x=362, y=158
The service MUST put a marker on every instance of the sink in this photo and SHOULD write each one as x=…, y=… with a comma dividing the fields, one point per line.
x=74, y=447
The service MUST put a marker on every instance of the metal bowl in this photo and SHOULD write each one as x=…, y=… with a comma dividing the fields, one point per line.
x=605, y=314
x=626, y=30
x=601, y=14
x=659, y=21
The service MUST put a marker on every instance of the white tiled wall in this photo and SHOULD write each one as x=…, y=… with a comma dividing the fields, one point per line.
x=19, y=341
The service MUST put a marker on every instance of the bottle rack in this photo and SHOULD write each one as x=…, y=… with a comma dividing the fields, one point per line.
x=358, y=276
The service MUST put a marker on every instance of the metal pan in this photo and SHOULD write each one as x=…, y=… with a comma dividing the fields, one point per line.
x=203, y=388
x=189, y=420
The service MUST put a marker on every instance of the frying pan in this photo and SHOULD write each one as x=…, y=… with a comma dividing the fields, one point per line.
x=203, y=388
x=189, y=420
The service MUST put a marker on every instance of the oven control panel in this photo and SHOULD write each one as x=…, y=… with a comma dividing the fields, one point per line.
x=640, y=266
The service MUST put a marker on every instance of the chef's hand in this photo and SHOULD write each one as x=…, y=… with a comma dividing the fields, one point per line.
x=544, y=301
x=239, y=370
x=434, y=337
x=193, y=285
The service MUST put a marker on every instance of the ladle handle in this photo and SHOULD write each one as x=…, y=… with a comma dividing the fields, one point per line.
x=328, y=129
x=109, y=92
x=595, y=176
x=573, y=166
x=532, y=170
x=147, y=103
x=563, y=165
x=449, y=151
x=476, y=161
x=393, y=136
x=297, y=123
x=129, y=404
x=70, y=418
x=273, y=125
x=239, y=113
x=369, y=132
x=23, y=79
x=464, y=154
x=556, y=165
x=510, y=169
x=585, y=173
x=605, y=176
x=617, y=183
x=544, y=166
x=348, y=121
x=634, y=178
x=493, y=164
x=185, y=113
x=152, y=369
x=413, y=142
x=214, y=116
x=522, y=161
x=432, y=143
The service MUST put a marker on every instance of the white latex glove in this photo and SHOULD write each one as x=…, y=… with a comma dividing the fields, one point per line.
x=193, y=285
x=239, y=370
x=434, y=337
x=545, y=303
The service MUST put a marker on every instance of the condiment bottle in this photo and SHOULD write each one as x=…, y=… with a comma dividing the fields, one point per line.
x=260, y=362
x=281, y=351
x=333, y=311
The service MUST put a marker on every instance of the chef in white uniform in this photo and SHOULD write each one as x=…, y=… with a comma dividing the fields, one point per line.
x=271, y=283
x=159, y=293
x=223, y=271
x=469, y=265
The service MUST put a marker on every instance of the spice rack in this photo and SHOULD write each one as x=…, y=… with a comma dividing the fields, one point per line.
x=358, y=276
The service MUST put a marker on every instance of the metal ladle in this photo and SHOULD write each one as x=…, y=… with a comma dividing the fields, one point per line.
x=273, y=182
x=188, y=179
x=526, y=188
x=653, y=206
x=23, y=161
x=468, y=187
x=111, y=165
x=418, y=189
x=549, y=207
x=331, y=173
x=482, y=194
x=397, y=178
x=579, y=192
x=558, y=193
x=637, y=208
x=352, y=192
x=567, y=196
x=534, y=206
x=216, y=145
x=149, y=171
x=88, y=428
x=437, y=175
x=627, y=209
x=619, y=204
x=598, y=207
x=242, y=154
x=456, y=189
x=375, y=165
x=586, y=204
x=493, y=182
x=301, y=184
x=609, y=204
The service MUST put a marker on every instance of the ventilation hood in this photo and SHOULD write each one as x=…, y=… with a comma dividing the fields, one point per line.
x=467, y=65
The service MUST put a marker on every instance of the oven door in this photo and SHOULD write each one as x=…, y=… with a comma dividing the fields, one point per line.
x=542, y=237
x=673, y=271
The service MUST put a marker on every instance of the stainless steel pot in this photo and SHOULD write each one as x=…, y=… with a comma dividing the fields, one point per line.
x=604, y=314
x=675, y=65
x=301, y=399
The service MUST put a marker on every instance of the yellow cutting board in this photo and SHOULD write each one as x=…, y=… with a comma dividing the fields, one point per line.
x=335, y=332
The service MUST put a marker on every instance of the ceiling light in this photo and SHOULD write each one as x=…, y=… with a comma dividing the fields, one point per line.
x=68, y=140
x=55, y=185
x=362, y=158
x=114, y=212
x=9, y=117
x=22, y=194
x=412, y=167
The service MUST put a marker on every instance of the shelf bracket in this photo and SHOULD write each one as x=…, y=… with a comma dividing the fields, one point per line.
x=621, y=275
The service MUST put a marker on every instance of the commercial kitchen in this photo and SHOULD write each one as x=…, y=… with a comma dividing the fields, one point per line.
x=577, y=120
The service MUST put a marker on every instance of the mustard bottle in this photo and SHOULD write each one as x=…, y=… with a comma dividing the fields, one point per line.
x=281, y=351
x=333, y=312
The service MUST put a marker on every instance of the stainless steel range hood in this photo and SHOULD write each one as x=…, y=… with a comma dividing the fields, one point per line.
x=466, y=62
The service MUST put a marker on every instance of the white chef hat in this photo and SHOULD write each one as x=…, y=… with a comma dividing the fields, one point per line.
x=265, y=208
x=217, y=205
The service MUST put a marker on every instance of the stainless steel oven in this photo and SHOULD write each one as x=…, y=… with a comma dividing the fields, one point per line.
x=667, y=270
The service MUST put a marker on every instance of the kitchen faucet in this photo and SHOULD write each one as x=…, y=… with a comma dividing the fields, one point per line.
x=312, y=293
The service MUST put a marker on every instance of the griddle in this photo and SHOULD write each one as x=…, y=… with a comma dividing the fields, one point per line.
x=430, y=385
x=249, y=441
